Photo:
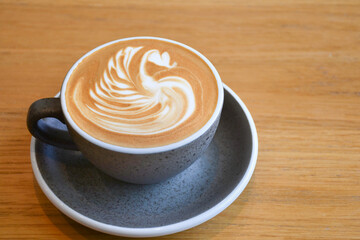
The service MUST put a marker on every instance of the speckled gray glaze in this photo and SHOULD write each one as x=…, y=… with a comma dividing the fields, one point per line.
x=88, y=191
x=145, y=168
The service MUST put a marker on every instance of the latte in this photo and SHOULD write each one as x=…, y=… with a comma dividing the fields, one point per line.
x=141, y=93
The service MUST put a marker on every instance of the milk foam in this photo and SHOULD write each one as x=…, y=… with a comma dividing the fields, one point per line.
x=141, y=93
x=139, y=103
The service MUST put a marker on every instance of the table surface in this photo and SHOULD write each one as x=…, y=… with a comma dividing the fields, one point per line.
x=295, y=64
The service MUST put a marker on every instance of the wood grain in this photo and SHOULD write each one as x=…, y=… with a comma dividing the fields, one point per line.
x=296, y=65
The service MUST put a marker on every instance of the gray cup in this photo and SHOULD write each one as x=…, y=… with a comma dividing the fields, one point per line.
x=134, y=165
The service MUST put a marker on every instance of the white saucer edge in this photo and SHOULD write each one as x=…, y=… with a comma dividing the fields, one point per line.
x=163, y=230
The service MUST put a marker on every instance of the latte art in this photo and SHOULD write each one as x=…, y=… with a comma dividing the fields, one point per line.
x=141, y=93
x=138, y=102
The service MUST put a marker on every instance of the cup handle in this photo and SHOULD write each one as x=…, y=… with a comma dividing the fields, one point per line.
x=48, y=108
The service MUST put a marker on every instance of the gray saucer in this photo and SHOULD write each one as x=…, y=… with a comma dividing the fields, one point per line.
x=197, y=194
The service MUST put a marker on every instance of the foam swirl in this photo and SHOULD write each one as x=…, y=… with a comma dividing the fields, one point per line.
x=140, y=93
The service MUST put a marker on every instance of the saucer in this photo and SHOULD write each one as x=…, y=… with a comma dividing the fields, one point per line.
x=199, y=193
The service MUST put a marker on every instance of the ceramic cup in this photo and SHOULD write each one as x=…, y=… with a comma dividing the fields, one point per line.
x=134, y=165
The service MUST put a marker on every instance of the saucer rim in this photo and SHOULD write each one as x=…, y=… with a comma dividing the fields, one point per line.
x=161, y=230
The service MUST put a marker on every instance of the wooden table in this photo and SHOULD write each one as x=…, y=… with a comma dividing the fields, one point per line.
x=295, y=64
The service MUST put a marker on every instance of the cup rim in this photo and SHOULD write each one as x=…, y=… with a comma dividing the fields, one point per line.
x=149, y=150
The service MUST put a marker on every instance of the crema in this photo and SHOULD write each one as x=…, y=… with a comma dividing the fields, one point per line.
x=141, y=93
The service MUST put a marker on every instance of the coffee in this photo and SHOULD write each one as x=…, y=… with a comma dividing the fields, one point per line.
x=141, y=93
